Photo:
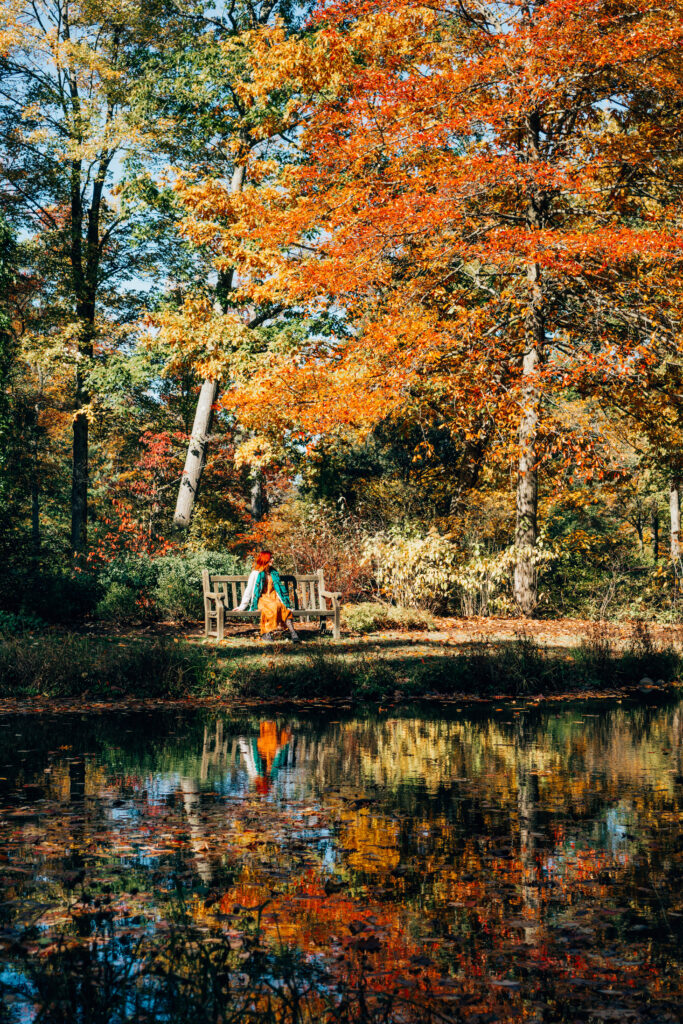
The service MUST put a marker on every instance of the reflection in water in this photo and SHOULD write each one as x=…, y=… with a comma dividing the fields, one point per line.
x=263, y=757
x=529, y=859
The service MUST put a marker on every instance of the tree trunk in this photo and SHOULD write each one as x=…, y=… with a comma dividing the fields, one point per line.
x=675, y=510
x=526, y=533
x=655, y=535
x=196, y=454
x=259, y=500
x=35, y=502
x=79, y=475
x=527, y=804
x=85, y=281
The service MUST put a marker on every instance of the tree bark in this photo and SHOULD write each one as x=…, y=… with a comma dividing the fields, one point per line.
x=259, y=500
x=526, y=533
x=675, y=512
x=196, y=452
x=655, y=535
x=79, y=474
x=35, y=501
x=85, y=252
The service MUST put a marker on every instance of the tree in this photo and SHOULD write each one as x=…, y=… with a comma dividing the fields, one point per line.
x=483, y=190
x=69, y=89
x=199, y=81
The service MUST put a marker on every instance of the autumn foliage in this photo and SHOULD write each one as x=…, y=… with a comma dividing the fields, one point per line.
x=428, y=255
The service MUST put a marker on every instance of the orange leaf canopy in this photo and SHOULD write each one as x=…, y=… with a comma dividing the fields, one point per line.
x=438, y=150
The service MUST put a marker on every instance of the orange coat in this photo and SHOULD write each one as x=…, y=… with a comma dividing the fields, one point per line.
x=274, y=615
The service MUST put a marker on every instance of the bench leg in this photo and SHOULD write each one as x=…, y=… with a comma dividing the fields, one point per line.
x=336, y=631
x=220, y=621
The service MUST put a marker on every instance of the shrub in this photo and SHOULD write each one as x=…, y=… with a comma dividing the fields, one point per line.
x=49, y=593
x=13, y=623
x=140, y=587
x=119, y=604
x=410, y=618
x=138, y=572
x=414, y=571
x=370, y=617
x=429, y=572
x=484, y=583
x=178, y=590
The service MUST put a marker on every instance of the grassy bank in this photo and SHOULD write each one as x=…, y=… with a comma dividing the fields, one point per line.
x=69, y=665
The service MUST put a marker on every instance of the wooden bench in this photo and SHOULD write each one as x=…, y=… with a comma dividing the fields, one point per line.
x=307, y=596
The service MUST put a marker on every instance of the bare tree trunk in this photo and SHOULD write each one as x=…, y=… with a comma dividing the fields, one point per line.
x=675, y=511
x=526, y=533
x=85, y=263
x=85, y=313
x=655, y=535
x=196, y=454
x=35, y=501
x=259, y=500
x=79, y=476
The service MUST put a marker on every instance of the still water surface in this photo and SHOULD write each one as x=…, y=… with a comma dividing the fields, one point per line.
x=526, y=864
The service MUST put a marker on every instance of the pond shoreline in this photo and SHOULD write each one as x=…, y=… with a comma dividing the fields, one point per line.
x=377, y=670
x=130, y=704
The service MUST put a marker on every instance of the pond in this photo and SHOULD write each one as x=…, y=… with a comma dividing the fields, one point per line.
x=520, y=864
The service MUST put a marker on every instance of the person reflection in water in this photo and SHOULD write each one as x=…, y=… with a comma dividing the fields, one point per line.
x=263, y=757
x=266, y=593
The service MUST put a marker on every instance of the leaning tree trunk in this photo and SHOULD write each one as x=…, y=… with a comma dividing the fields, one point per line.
x=526, y=533
x=675, y=510
x=196, y=452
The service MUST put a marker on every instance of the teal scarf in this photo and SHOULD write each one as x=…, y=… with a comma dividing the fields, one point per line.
x=280, y=589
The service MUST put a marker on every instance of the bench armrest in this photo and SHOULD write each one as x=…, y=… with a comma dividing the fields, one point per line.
x=334, y=595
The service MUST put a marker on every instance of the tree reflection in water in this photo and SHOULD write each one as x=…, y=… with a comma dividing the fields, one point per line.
x=525, y=864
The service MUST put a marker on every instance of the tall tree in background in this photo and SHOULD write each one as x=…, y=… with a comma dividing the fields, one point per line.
x=69, y=86
x=486, y=191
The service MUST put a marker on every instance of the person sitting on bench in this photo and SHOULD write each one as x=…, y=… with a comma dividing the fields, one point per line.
x=266, y=592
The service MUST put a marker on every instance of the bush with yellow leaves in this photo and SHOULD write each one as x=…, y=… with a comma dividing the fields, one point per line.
x=430, y=572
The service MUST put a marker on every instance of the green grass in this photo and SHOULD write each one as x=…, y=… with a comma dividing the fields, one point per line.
x=70, y=665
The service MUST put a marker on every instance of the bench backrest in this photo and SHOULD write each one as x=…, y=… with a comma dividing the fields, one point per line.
x=304, y=591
